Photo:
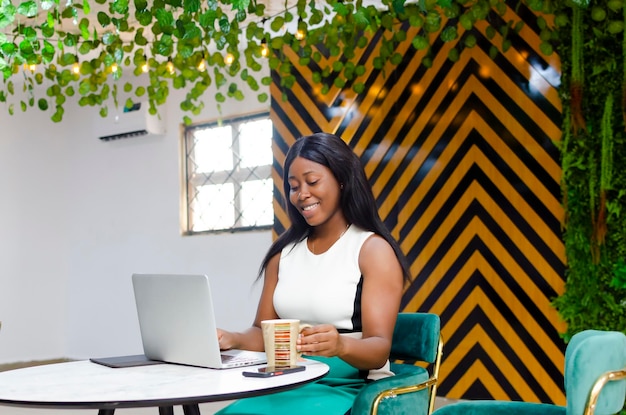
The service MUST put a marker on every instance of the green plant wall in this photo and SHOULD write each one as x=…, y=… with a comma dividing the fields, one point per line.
x=590, y=41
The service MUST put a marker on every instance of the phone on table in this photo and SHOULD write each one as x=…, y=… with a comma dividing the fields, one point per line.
x=267, y=371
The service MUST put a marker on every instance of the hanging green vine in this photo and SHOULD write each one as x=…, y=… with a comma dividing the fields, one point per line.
x=193, y=44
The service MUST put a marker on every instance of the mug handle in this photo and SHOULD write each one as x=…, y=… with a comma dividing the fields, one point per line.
x=302, y=327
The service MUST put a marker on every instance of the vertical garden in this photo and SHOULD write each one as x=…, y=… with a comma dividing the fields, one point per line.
x=589, y=38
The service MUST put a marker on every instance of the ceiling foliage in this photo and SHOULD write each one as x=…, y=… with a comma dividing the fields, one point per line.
x=86, y=50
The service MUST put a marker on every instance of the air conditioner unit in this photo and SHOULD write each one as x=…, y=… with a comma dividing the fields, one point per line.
x=130, y=122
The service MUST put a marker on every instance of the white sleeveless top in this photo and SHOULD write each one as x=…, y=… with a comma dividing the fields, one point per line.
x=324, y=288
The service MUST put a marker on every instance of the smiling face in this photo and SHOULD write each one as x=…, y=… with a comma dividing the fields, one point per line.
x=314, y=192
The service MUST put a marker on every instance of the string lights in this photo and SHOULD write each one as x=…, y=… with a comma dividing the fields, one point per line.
x=264, y=49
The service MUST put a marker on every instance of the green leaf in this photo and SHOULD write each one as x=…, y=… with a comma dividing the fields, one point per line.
x=191, y=6
x=277, y=24
x=449, y=34
x=398, y=6
x=26, y=49
x=7, y=15
x=103, y=19
x=58, y=115
x=47, y=29
x=30, y=34
x=453, y=55
x=120, y=6
x=47, y=4
x=28, y=8
x=164, y=17
x=48, y=51
x=396, y=58
x=341, y=9
x=144, y=17
x=8, y=49
x=470, y=41
x=109, y=38
x=84, y=28
x=43, y=104
x=466, y=21
x=420, y=43
x=224, y=25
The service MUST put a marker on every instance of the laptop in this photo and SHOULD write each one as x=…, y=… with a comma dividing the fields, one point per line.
x=177, y=323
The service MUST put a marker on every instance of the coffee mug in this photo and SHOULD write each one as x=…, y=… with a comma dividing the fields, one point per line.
x=279, y=338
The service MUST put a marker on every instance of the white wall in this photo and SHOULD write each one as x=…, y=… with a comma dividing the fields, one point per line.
x=78, y=216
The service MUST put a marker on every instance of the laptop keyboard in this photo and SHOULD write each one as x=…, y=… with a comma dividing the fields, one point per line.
x=239, y=359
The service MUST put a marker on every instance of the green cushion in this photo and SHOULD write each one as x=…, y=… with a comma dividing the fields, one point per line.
x=500, y=408
x=589, y=354
x=415, y=403
x=415, y=337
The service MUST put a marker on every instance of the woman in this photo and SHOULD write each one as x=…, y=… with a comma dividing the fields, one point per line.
x=337, y=268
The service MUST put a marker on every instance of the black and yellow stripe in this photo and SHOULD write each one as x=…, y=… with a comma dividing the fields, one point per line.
x=462, y=161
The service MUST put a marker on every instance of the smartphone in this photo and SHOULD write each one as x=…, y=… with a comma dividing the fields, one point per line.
x=266, y=372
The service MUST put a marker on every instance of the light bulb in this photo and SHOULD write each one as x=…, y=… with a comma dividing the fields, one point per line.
x=264, y=49
x=202, y=65
x=301, y=32
x=76, y=68
x=144, y=66
x=32, y=67
x=229, y=59
x=114, y=68
x=170, y=66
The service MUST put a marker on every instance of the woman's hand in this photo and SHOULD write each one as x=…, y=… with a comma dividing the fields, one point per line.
x=322, y=340
x=225, y=339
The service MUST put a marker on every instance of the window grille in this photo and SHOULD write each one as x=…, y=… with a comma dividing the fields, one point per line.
x=228, y=177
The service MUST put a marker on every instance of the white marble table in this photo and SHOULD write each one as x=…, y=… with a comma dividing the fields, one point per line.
x=83, y=384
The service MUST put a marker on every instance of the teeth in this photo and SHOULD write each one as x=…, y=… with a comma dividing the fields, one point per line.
x=310, y=206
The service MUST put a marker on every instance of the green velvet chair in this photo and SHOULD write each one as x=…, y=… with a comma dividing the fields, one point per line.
x=595, y=381
x=416, y=339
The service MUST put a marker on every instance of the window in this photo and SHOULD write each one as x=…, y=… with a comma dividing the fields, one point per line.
x=228, y=175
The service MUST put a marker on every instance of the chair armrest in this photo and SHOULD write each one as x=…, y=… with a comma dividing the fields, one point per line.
x=390, y=394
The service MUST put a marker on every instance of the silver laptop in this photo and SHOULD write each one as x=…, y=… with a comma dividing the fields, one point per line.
x=177, y=322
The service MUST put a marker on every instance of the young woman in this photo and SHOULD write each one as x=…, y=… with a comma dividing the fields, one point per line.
x=337, y=268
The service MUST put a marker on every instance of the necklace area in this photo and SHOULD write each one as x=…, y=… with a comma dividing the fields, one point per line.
x=338, y=238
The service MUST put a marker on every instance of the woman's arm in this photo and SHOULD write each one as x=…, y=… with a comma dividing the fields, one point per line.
x=380, y=304
x=252, y=338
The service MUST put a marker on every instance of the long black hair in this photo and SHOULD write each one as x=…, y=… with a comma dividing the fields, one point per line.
x=357, y=200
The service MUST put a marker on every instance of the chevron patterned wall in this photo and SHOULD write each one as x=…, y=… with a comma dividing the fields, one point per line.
x=463, y=164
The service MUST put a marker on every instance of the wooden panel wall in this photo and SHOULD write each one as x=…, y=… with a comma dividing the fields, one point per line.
x=463, y=164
